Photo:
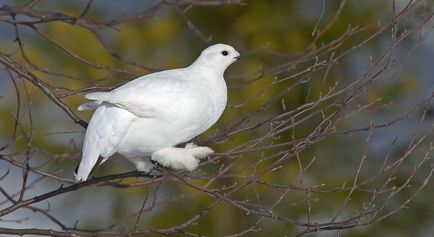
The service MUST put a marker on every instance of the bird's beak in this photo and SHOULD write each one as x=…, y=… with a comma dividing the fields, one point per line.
x=238, y=57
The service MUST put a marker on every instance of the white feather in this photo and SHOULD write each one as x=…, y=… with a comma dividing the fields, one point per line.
x=149, y=115
x=108, y=126
x=90, y=105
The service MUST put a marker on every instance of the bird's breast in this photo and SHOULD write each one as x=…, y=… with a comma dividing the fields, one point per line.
x=198, y=109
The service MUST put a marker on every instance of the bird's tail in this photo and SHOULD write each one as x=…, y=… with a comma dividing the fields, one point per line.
x=89, y=158
x=105, y=131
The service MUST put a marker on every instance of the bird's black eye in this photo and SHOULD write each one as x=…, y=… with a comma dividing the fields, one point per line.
x=225, y=53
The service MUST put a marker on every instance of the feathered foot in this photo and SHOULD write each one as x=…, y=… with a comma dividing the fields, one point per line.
x=181, y=158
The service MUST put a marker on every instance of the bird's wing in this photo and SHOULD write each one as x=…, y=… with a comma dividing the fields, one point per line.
x=105, y=132
x=89, y=105
x=145, y=96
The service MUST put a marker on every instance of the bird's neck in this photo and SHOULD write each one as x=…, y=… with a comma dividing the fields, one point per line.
x=201, y=67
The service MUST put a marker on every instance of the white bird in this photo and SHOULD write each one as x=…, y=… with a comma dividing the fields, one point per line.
x=147, y=117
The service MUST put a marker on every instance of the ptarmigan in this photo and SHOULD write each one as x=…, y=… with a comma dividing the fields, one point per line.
x=147, y=117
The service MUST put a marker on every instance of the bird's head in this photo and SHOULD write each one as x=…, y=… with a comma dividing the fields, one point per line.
x=218, y=57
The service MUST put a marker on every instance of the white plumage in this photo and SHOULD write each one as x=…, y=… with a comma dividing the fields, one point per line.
x=145, y=118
